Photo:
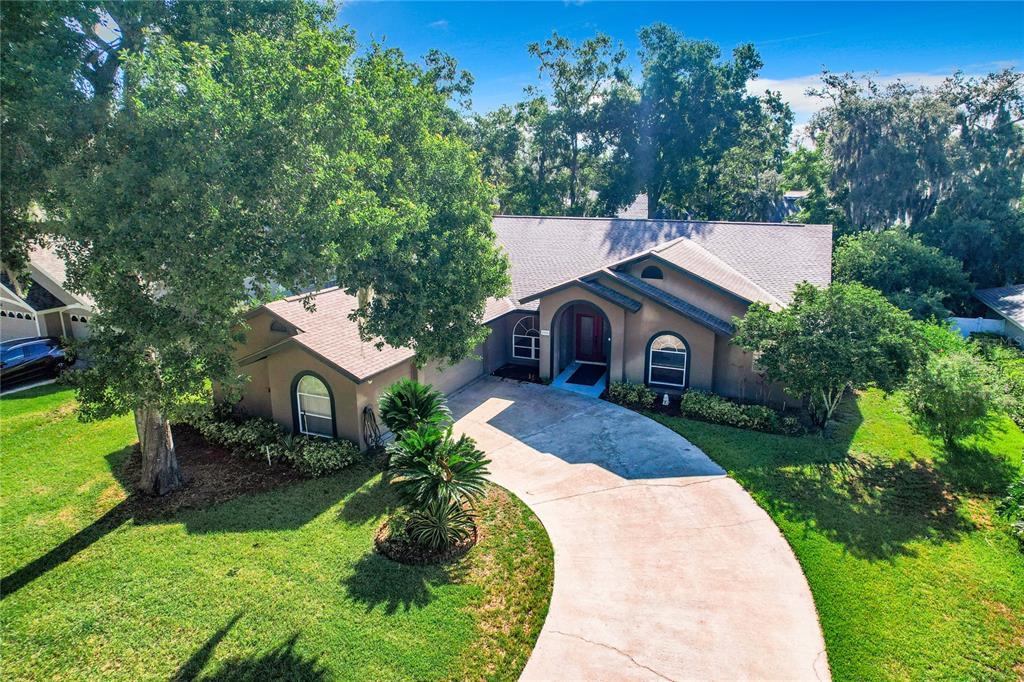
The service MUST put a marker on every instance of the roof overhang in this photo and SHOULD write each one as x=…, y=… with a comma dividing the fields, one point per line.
x=588, y=284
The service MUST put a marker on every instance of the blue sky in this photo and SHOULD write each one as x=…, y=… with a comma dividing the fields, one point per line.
x=919, y=41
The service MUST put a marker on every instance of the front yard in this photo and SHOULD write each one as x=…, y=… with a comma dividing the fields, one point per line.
x=913, y=575
x=276, y=584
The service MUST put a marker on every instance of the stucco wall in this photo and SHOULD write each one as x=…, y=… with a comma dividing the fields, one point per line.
x=550, y=305
x=694, y=291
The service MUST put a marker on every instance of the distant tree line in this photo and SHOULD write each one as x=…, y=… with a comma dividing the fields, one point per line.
x=923, y=185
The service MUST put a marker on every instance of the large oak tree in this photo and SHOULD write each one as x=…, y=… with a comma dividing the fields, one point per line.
x=254, y=149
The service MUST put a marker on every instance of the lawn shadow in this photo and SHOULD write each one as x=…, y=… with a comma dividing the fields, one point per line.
x=368, y=504
x=874, y=507
x=974, y=469
x=197, y=661
x=280, y=663
x=377, y=581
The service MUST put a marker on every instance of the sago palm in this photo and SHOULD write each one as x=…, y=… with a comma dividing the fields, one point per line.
x=429, y=465
x=407, y=404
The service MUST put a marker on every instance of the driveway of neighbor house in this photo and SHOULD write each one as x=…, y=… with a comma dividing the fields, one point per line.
x=664, y=567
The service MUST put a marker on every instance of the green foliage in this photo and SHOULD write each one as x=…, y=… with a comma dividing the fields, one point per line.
x=441, y=523
x=953, y=395
x=407, y=404
x=806, y=170
x=316, y=457
x=718, y=410
x=914, y=277
x=428, y=465
x=1011, y=508
x=830, y=340
x=1008, y=360
x=945, y=161
x=263, y=439
x=631, y=395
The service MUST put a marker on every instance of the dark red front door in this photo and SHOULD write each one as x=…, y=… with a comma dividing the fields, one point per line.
x=589, y=337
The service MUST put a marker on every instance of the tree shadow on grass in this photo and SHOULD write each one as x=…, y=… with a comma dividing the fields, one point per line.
x=280, y=663
x=973, y=469
x=369, y=503
x=377, y=581
x=876, y=508
x=290, y=505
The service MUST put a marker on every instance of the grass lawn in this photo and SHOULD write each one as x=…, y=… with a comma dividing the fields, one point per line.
x=913, y=575
x=280, y=584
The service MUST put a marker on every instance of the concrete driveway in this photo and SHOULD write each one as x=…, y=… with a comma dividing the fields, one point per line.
x=664, y=568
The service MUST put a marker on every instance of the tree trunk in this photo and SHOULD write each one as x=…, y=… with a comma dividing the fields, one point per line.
x=160, y=471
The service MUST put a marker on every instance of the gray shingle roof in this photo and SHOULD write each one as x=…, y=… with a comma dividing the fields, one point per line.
x=610, y=295
x=546, y=251
x=671, y=302
x=1007, y=301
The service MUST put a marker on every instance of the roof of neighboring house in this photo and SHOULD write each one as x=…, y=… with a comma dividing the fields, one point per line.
x=638, y=209
x=775, y=257
x=47, y=263
x=1007, y=301
x=38, y=298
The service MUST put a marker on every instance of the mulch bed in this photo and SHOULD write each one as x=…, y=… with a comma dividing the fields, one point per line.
x=412, y=554
x=518, y=373
x=212, y=475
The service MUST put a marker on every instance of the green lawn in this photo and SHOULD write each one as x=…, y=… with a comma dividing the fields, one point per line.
x=913, y=575
x=281, y=584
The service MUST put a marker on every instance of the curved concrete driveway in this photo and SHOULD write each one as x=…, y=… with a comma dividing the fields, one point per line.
x=664, y=568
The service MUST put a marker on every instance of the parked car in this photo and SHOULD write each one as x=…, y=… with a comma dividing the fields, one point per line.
x=40, y=357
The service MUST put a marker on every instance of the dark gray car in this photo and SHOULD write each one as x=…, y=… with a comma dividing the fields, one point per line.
x=22, y=360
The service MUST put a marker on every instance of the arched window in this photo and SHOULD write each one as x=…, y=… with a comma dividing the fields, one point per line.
x=652, y=272
x=667, y=360
x=526, y=339
x=83, y=320
x=314, y=406
x=20, y=316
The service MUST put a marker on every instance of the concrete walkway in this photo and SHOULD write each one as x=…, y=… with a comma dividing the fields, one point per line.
x=664, y=568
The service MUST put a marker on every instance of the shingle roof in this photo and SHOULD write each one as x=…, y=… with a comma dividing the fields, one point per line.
x=610, y=295
x=675, y=303
x=330, y=334
x=1007, y=301
x=686, y=254
x=775, y=256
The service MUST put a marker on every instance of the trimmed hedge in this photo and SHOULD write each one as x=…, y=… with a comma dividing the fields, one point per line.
x=633, y=396
x=718, y=410
x=261, y=438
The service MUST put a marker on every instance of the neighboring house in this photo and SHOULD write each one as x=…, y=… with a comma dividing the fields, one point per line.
x=1007, y=313
x=46, y=308
x=594, y=300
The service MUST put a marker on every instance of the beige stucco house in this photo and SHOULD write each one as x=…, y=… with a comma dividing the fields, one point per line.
x=594, y=300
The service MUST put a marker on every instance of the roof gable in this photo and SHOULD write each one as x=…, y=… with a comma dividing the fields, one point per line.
x=545, y=251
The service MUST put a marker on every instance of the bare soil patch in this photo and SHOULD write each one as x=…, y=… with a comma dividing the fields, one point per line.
x=405, y=552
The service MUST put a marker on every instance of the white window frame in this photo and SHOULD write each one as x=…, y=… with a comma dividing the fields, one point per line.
x=302, y=413
x=652, y=366
x=529, y=332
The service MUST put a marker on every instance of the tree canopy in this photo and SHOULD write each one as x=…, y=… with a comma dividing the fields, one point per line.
x=845, y=336
x=260, y=157
x=913, y=276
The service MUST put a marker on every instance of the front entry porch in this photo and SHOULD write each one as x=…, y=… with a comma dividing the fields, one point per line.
x=581, y=347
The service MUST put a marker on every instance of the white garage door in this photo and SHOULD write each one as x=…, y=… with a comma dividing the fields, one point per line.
x=13, y=327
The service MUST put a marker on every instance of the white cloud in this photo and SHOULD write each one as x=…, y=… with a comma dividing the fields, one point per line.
x=441, y=24
x=794, y=90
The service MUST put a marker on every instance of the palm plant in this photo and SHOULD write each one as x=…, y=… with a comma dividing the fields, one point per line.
x=440, y=524
x=428, y=465
x=407, y=404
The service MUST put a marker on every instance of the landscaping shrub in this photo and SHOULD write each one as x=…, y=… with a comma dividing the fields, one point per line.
x=317, y=457
x=633, y=396
x=406, y=404
x=428, y=465
x=718, y=410
x=262, y=438
x=1011, y=508
x=952, y=395
x=442, y=523
x=1008, y=360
